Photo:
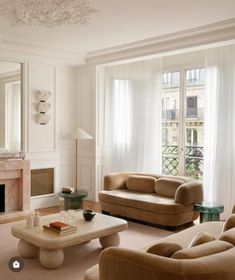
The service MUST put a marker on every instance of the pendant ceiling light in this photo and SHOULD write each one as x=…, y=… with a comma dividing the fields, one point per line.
x=47, y=13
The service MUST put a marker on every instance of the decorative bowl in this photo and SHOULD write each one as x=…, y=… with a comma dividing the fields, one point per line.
x=88, y=214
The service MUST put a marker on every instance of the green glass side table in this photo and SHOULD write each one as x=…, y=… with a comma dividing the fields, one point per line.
x=73, y=200
x=209, y=211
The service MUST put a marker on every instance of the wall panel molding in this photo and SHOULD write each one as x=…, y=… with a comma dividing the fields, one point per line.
x=41, y=138
x=87, y=121
x=85, y=176
x=22, y=46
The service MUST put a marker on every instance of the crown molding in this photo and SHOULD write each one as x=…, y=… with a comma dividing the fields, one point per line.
x=194, y=37
x=21, y=46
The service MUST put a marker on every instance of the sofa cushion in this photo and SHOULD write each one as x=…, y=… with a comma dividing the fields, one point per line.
x=203, y=250
x=229, y=223
x=92, y=273
x=164, y=249
x=154, y=175
x=141, y=183
x=189, y=193
x=144, y=201
x=184, y=237
x=167, y=186
x=200, y=238
x=228, y=236
x=114, y=181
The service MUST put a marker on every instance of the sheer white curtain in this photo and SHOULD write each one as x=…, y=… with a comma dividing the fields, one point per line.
x=133, y=117
x=219, y=158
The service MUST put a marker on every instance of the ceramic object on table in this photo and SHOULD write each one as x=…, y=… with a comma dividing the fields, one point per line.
x=88, y=214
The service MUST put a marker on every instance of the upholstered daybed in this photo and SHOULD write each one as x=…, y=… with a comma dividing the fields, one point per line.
x=173, y=258
x=158, y=199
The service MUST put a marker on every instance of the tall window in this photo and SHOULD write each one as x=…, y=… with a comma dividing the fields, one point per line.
x=191, y=136
x=195, y=77
x=165, y=136
x=191, y=107
x=170, y=80
x=122, y=115
x=183, y=117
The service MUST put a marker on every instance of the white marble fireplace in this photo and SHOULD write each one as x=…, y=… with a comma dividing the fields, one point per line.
x=15, y=177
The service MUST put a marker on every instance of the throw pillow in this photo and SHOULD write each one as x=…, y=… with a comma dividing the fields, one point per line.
x=167, y=186
x=229, y=223
x=164, y=249
x=141, y=183
x=228, y=236
x=203, y=250
x=200, y=238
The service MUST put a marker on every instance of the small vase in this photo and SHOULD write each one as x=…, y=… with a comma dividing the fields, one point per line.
x=88, y=214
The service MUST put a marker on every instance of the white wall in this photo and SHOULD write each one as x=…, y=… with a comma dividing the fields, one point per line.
x=67, y=119
x=44, y=144
x=47, y=144
x=87, y=121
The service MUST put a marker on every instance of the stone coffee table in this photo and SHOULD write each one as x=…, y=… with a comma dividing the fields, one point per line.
x=49, y=246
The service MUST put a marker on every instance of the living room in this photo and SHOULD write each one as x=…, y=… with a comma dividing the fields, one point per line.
x=142, y=90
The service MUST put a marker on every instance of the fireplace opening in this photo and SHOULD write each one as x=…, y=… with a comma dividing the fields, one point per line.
x=2, y=198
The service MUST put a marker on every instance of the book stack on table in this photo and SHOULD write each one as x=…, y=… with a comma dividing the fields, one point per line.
x=67, y=190
x=60, y=228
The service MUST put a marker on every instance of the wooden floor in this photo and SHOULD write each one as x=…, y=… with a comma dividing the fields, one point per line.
x=56, y=209
x=95, y=206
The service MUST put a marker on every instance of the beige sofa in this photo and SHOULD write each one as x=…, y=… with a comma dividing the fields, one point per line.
x=158, y=199
x=216, y=263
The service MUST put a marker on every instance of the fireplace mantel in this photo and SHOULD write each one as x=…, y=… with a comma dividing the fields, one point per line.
x=15, y=175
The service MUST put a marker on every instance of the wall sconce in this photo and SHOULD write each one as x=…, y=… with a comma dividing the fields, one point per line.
x=43, y=107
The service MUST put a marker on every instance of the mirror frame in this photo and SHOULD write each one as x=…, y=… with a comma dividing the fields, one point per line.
x=10, y=154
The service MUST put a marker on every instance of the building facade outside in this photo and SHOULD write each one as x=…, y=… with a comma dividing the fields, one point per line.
x=183, y=124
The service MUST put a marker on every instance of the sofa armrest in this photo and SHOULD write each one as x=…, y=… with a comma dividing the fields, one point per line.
x=115, y=181
x=124, y=264
x=189, y=193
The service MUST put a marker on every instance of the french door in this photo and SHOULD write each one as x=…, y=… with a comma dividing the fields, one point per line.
x=183, y=122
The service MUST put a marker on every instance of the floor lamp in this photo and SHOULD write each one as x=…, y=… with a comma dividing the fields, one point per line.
x=78, y=134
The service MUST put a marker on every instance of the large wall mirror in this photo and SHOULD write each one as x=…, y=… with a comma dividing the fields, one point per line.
x=10, y=107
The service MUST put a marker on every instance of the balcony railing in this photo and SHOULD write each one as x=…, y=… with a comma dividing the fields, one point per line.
x=193, y=161
x=191, y=113
x=195, y=113
x=189, y=83
x=195, y=82
x=171, y=114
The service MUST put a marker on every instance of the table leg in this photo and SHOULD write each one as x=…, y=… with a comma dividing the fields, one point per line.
x=73, y=203
x=215, y=217
x=66, y=206
x=110, y=240
x=208, y=217
x=27, y=250
x=201, y=217
x=51, y=259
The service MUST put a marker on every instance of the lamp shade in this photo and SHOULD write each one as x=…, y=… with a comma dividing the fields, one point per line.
x=78, y=133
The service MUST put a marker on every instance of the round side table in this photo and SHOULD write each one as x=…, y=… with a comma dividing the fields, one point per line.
x=73, y=200
x=209, y=211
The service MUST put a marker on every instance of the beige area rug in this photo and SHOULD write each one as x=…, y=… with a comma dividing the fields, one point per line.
x=77, y=259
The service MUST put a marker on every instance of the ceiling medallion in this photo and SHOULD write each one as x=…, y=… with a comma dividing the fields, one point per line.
x=47, y=13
